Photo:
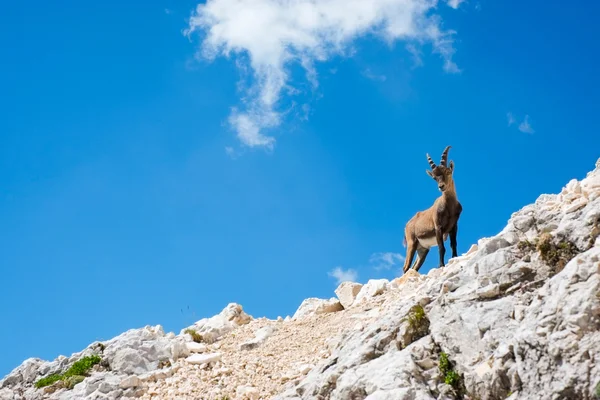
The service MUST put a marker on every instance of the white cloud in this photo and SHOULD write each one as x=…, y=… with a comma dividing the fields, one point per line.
x=525, y=126
x=455, y=3
x=230, y=152
x=343, y=275
x=416, y=53
x=305, y=112
x=249, y=124
x=269, y=35
x=373, y=76
x=510, y=118
x=385, y=260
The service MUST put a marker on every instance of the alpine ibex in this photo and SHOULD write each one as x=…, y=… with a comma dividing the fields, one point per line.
x=431, y=227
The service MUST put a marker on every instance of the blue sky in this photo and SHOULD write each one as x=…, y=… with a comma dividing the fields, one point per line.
x=144, y=183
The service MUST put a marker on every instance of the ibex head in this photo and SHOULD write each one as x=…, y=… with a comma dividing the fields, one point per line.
x=442, y=174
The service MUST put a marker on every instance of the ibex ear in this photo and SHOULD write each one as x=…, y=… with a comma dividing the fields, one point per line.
x=430, y=173
x=452, y=165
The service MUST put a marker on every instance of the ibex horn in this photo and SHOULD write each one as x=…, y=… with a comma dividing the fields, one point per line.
x=445, y=156
x=433, y=166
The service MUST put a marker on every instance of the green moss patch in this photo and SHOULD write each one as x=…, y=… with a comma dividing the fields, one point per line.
x=72, y=376
x=48, y=380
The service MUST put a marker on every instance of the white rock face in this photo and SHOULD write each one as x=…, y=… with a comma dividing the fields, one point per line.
x=227, y=320
x=194, y=347
x=200, y=359
x=261, y=335
x=509, y=320
x=372, y=288
x=314, y=305
x=130, y=381
x=346, y=292
x=129, y=361
x=135, y=351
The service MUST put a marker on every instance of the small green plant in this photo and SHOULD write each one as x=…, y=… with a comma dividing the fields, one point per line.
x=418, y=325
x=48, y=380
x=72, y=376
x=82, y=366
x=416, y=315
x=195, y=335
x=444, y=364
x=417, y=321
x=597, y=391
x=451, y=377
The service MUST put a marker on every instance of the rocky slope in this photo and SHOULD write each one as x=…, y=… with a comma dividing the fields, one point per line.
x=516, y=317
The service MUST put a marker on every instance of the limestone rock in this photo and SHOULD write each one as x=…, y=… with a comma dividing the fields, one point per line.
x=130, y=381
x=135, y=351
x=509, y=321
x=129, y=361
x=194, y=347
x=314, y=305
x=227, y=320
x=372, y=288
x=411, y=276
x=261, y=335
x=247, y=393
x=346, y=292
x=203, y=358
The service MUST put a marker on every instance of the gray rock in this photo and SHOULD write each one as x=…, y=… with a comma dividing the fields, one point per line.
x=509, y=322
x=194, y=347
x=133, y=352
x=130, y=382
x=206, y=358
x=314, y=305
x=489, y=291
x=372, y=288
x=260, y=336
x=227, y=320
x=346, y=292
x=129, y=361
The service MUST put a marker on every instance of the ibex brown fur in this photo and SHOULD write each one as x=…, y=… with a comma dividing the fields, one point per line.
x=431, y=227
